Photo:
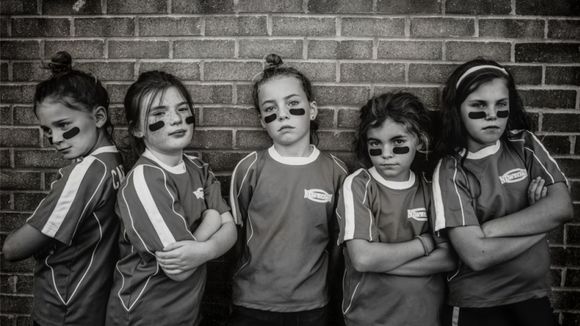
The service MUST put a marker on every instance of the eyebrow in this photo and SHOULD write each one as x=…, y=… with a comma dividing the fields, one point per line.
x=165, y=106
x=286, y=97
x=480, y=100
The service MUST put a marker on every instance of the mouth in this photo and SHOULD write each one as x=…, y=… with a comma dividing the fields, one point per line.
x=63, y=150
x=388, y=165
x=491, y=128
x=178, y=133
x=283, y=128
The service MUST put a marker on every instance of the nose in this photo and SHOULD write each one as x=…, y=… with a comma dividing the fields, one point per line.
x=491, y=113
x=57, y=137
x=175, y=117
x=283, y=112
x=387, y=151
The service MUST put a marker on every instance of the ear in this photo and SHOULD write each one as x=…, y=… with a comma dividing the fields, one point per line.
x=136, y=132
x=313, y=110
x=101, y=117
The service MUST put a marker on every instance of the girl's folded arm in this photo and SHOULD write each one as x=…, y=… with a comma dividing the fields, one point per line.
x=439, y=260
x=382, y=257
x=23, y=243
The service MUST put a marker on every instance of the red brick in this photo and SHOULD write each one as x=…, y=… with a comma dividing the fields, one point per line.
x=40, y=27
x=526, y=75
x=19, y=49
x=5, y=115
x=543, y=98
x=136, y=7
x=341, y=95
x=19, y=137
x=70, y=7
x=230, y=117
x=108, y=71
x=430, y=73
x=340, y=6
x=556, y=236
x=29, y=71
x=463, y=51
x=568, y=300
x=138, y=49
x=222, y=161
x=212, y=139
x=182, y=70
x=202, y=6
x=269, y=6
x=220, y=70
x=316, y=71
x=478, y=7
x=571, y=169
x=24, y=116
x=5, y=158
x=78, y=49
x=39, y=159
x=372, y=72
x=336, y=141
x=208, y=94
x=252, y=139
x=442, y=27
x=117, y=116
x=548, y=8
x=12, y=304
x=16, y=93
x=348, y=118
x=547, y=52
x=564, y=29
x=563, y=75
x=325, y=118
x=104, y=27
x=557, y=145
x=27, y=202
x=169, y=26
x=116, y=92
x=406, y=7
x=257, y=48
x=428, y=95
x=511, y=28
x=16, y=180
x=236, y=26
x=562, y=122
x=4, y=28
x=4, y=71
x=204, y=49
x=18, y=7
x=570, y=319
x=23, y=266
x=298, y=26
x=373, y=27
x=327, y=49
x=410, y=50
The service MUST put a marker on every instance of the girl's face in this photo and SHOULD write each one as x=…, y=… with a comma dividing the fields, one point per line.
x=392, y=148
x=285, y=112
x=484, y=114
x=74, y=133
x=168, y=127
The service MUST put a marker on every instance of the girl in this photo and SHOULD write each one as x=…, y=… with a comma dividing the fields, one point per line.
x=284, y=199
x=393, y=262
x=161, y=275
x=480, y=187
x=73, y=232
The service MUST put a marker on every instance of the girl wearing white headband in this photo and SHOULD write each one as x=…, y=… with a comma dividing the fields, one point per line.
x=497, y=193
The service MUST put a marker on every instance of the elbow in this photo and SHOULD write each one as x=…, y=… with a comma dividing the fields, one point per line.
x=10, y=253
x=477, y=264
x=362, y=263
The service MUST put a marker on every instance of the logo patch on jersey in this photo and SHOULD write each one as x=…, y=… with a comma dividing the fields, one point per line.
x=317, y=195
x=513, y=176
x=418, y=214
x=198, y=193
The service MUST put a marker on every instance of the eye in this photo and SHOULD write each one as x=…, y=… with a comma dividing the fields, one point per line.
x=373, y=143
x=502, y=104
x=269, y=108
x=293, y=103
x=157, y=113
x=399, y=142
x=478, y=105
x=63, y=124
x=183, y=109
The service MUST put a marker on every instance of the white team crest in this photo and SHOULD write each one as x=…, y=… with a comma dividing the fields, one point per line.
x=198, y=193
x=513, y=176
x=419, y=214
x=317, y=195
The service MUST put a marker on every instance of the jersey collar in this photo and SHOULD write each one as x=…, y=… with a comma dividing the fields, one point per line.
x=484, y=152
x=291, y=160
x=396, y=185
x=105, y=149
x=178, y=169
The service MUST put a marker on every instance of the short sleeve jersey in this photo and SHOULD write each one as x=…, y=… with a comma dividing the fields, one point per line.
x=374, y=209
x=160, y=205
x=73, y=276
x=285, y=205
x=489, y=184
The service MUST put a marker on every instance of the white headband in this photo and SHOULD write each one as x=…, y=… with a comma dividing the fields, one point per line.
x=476, y=68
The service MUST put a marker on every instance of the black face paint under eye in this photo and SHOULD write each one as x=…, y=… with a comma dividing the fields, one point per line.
x=190, y=120
x=71, y=133
x=477, y=115
x=401, y=150
x=270, y=118
x=503, y=113
x=297, y=111
x=375, y=152
x=156, y=126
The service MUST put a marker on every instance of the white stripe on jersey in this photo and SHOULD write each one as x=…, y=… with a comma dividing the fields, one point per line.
x=438, y=199
x=67, y=197
x=457, y=192
x=349, y=214
x=148, y=203
x=338, y=162
x=233, y=197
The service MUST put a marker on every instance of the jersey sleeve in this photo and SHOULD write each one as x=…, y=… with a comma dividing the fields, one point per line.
x=72, y=197
x=213, y=192
x=539, y=162
x=355, y=217
x=241, y=187
x=452, y=197
x=148, y=206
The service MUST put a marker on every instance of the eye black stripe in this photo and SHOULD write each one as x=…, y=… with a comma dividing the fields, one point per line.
x=156, y=126
x=270, y=118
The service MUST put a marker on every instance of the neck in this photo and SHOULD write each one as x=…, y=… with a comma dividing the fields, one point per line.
x=300, y=149
x=169, y=159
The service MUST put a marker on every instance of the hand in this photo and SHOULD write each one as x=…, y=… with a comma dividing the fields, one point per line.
x=182, y=256
x=537, y=190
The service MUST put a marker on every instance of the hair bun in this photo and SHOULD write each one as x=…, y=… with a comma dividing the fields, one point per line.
x=273, y=60
x=60, y=63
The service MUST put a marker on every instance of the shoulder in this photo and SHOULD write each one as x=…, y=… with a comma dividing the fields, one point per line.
x=359, y=178
x=334, y=162
x=248, y=161
x=195, y=161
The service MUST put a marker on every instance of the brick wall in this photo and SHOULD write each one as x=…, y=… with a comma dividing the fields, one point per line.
x=351, y=49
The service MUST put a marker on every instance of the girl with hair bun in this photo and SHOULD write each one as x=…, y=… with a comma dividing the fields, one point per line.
x=73, y=232
x=283, y=198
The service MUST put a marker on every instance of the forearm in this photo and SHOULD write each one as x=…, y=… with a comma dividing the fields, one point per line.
x=440, y=260
x=210, y=224
x=382, y=257
x=222, y=240
x=541, y=217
